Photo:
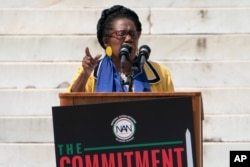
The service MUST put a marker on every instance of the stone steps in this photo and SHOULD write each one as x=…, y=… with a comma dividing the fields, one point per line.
x=205, y=44
x=47, y=21
x=215, y=101
x=194, y=74
x=46, y=48
x=129, y=3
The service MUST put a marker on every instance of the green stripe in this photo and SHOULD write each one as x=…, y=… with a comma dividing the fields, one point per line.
x=133, y=146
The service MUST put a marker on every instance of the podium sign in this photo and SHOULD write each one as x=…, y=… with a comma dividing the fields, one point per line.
x=144, y=133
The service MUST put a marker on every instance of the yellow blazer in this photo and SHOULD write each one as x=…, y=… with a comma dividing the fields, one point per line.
x=159, y=78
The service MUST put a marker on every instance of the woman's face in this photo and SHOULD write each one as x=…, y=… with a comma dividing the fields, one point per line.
x=123, y=33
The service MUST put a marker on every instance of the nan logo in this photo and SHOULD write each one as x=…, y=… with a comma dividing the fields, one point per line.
x=239, y=158
x=123, y=128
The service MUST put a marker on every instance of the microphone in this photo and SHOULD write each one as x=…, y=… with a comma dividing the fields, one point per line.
x=144, y=53
x=125, y=51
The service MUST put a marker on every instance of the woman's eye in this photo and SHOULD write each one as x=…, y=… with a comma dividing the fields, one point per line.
x=121, y=33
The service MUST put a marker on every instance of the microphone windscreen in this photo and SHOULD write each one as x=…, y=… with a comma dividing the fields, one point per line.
x=144, y=51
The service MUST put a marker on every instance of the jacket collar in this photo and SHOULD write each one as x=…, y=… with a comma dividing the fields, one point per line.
x=151, y=73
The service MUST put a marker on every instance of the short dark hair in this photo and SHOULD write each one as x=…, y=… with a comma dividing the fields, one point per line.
x=109, y=15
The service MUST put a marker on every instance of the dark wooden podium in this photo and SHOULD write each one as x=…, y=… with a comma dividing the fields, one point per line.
x=80, y=98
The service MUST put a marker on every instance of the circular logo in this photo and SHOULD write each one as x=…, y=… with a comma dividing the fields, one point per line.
x=123, y=128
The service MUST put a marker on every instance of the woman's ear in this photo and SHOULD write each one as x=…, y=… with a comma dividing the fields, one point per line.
x=105, y=42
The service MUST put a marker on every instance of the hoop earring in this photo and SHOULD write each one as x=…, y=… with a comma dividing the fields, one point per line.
x=108, y=51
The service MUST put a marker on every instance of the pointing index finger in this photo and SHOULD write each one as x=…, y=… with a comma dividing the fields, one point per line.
x=87, y=52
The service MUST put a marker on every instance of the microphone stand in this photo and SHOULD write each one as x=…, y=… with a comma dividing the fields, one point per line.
x=130, y=83
x=130, y=79
x=144, y=52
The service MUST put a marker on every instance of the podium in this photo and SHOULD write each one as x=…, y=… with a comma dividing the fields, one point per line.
x=82, y=98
